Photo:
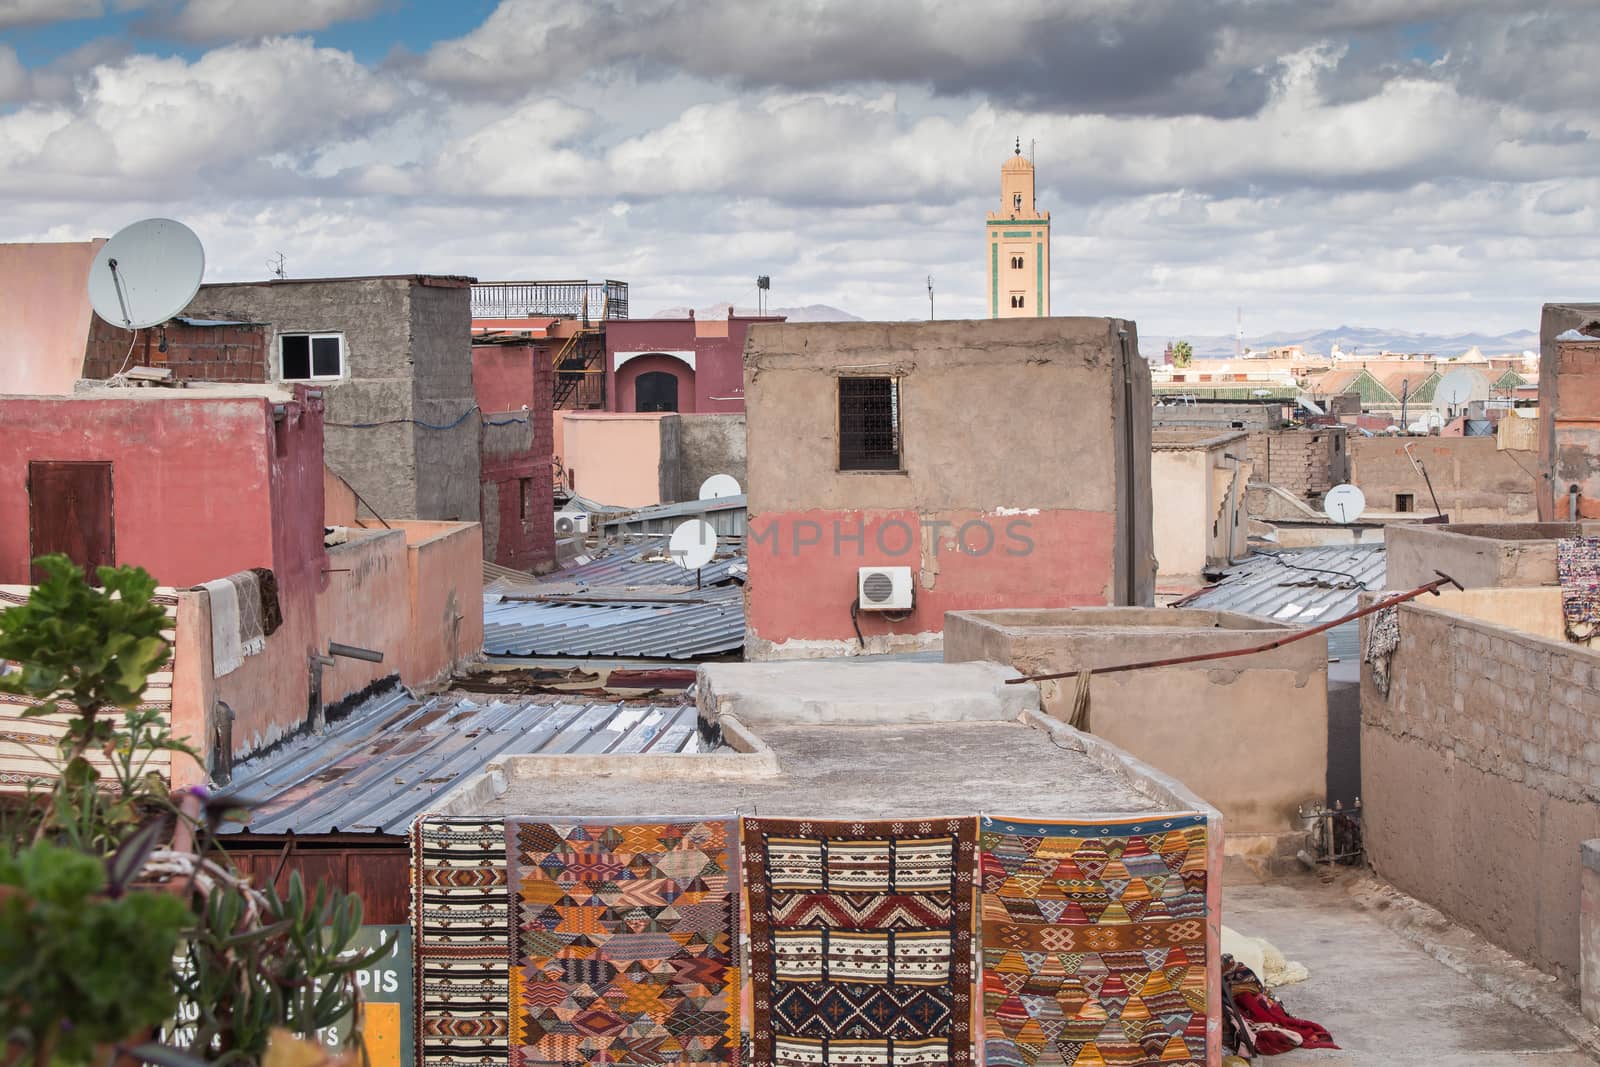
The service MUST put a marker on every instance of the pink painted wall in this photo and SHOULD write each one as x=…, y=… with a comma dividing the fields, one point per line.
x=960, y=560
x=445, y=584
x=717, y=381
x=503, y=377
x=615, y=458
x=191, y=480
x=44, y=315
x=626, y=381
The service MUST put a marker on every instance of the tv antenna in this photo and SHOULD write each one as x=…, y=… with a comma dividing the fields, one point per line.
x=930, y=298
x=275, y=265
x=146, y=273
x=763, y=293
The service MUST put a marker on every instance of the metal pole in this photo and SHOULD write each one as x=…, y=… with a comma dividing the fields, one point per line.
x=1389, y=602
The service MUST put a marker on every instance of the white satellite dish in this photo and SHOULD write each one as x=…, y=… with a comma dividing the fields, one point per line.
x=146, y=274
x=719, y=485
x=693, y=543
x=1344, y=503
x=1456, y=388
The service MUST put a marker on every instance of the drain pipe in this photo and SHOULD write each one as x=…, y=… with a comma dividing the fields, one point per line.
x=1130, y=583
x=318, y=719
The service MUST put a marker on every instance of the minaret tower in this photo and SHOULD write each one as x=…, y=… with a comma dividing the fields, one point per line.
x=1019, y=246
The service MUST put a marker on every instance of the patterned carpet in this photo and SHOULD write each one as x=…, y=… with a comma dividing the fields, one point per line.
x=461, y=916
x=1578, y=567
x=626, y=942
x=861, y=940
x=1094, y=942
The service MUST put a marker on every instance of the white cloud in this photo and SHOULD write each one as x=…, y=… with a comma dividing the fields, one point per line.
x=40, y=12
x=228, y=20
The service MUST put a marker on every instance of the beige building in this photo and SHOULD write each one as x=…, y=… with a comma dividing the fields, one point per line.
x=1019, y=246
x=1197, y=479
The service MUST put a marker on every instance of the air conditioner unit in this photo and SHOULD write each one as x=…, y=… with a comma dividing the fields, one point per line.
x=885, y=588
x=571, y=523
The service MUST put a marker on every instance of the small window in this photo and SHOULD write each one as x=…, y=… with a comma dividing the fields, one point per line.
x=311, y=356
x=1405, y=502
x=1016, y=262
x=869, y=424
x=1016, y=201
x=1016, y=300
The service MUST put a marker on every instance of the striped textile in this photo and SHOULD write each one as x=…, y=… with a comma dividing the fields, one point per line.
x=461, y=918
x=861, y=938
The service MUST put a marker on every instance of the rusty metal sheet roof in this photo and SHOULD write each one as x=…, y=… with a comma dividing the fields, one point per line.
x=681, y=624
x=397, y=755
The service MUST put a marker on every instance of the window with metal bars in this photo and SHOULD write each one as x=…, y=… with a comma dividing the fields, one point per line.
x=869, y=424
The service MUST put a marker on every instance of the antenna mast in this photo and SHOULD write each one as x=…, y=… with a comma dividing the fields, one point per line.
x=930, y=298
x=275, y=265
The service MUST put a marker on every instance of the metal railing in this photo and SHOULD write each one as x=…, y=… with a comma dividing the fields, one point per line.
x=579, y=299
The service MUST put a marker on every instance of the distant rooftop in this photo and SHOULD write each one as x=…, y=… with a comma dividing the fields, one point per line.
x=445, y=281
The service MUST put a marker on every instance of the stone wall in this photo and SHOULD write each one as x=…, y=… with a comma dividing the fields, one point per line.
x=707, y=445
x=1481, y=773
x=1306, y=463
x=1475, y=481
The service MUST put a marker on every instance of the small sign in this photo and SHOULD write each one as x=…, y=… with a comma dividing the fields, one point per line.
x=386, y=998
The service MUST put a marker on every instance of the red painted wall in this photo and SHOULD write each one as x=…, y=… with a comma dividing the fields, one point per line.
x=715, y=384
x=192, y=491
x=504, y=378
x=1052, y=559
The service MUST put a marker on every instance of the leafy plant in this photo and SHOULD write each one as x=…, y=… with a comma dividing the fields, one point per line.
x=82, y=967
x=88, y=940
x=1182, y=354
x=90, y=651
x=291, y=967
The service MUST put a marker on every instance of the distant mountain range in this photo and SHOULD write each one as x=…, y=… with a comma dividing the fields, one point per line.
x=1352, y=341
x=809, y=313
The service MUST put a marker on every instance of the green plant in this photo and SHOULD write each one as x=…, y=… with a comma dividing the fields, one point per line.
x=90, y=651
x=1182, y=354
x=87, y=949
x=258, y=962
x=83, y=963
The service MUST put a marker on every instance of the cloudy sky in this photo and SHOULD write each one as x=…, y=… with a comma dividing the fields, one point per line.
x=1413, y=164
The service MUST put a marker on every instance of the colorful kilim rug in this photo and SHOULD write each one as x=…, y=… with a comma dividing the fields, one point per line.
x=861, y=941
x=626, y=942
x=1094, y=941
x=1578, y=567
x=462, y=921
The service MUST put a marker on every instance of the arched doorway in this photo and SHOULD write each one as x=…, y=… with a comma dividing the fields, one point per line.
x=655, y=390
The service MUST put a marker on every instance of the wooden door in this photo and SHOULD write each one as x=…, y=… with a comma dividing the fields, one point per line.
x=69, y=511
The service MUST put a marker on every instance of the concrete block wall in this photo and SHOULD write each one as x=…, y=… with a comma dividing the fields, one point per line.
x=1306, y=463
x=1481, y=776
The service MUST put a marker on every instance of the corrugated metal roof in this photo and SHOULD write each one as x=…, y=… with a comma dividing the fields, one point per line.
x=1299, y=586
x=397, y=755
x=643, y=563
x=668, y=625
x=725, y=514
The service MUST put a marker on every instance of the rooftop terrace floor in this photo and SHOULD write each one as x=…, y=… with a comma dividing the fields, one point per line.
x=832, y=771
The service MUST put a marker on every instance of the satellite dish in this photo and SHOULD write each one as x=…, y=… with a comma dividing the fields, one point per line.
x=1344, y=503
x=693, y=543
x=719, y=485
x=1456, y=388
x=146, y=274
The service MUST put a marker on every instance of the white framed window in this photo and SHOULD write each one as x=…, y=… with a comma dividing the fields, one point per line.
x=310, y=357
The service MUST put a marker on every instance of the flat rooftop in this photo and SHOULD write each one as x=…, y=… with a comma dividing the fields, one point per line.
x=832, y=771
